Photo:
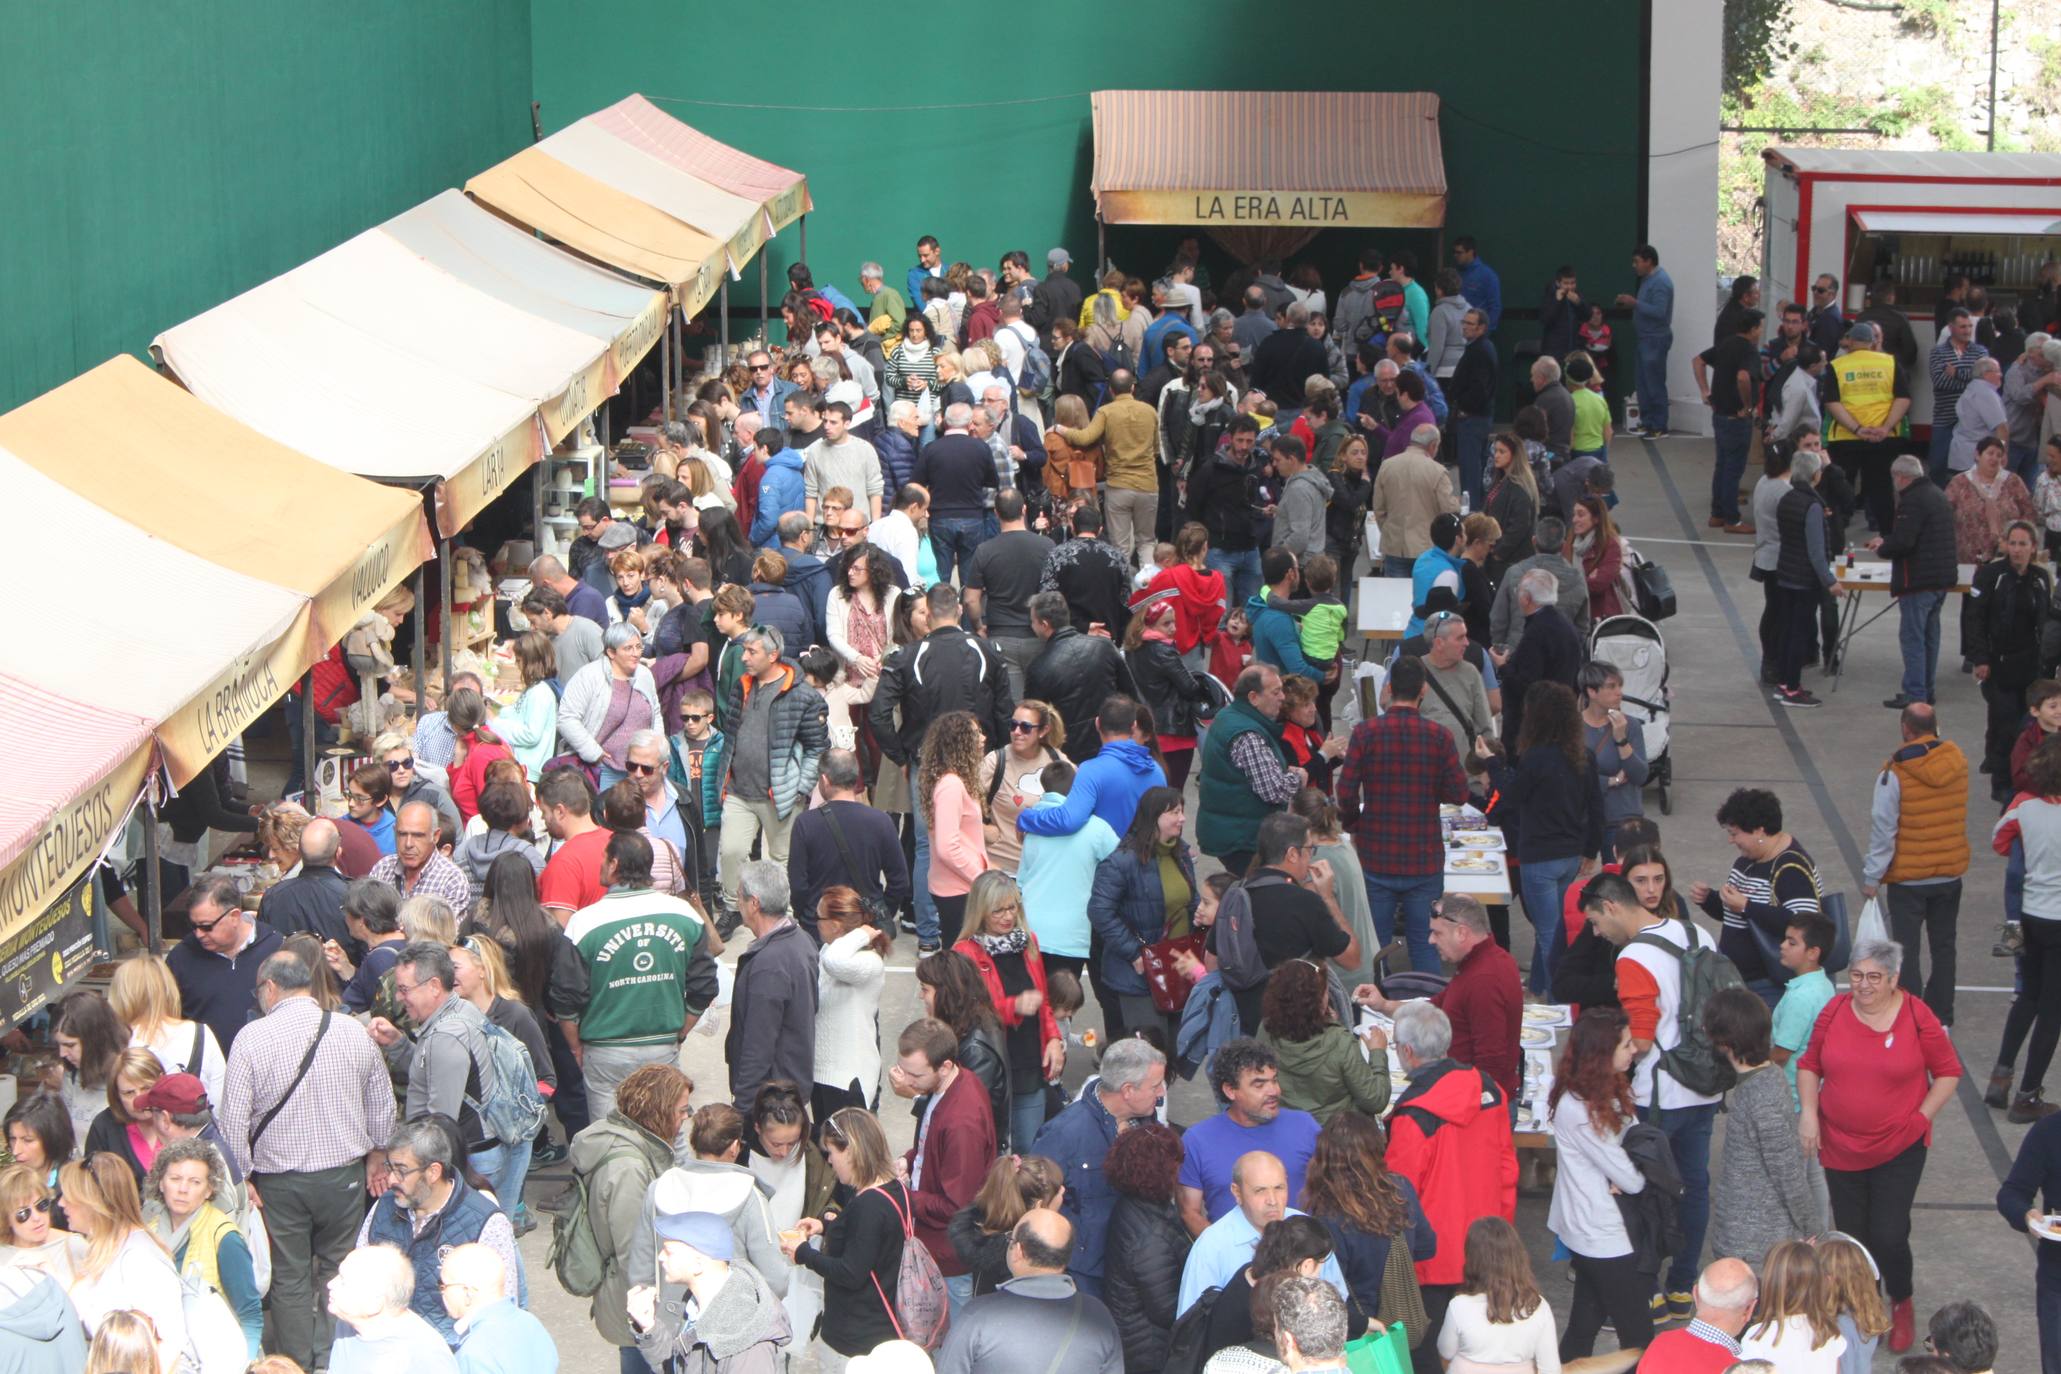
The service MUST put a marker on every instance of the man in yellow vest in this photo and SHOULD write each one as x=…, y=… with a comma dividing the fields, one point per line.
x=1918, y=850
x=1865, y=428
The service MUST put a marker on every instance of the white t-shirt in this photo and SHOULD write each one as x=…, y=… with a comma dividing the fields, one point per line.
x=1666, y=972
x=1469, y=1334
x=1787, y=1346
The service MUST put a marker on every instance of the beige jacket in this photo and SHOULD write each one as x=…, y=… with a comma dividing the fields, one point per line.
x=1128, y=431
x=1409, y=492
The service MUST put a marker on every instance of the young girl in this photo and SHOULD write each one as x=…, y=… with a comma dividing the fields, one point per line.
x=1595, y=332
x=1591, y=1105
x=1303, y=735
x=1329, y=842
x=1497, y=1321
x=1232, y=650
x=980, y=1230
x=1762, y=1194
x=1795, y=1324
x=825, y=672
x=1856, y=1297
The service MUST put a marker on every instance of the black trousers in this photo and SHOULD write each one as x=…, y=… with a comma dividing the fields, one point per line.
x=2006, y=717
x=1799, y=630
x=1770, y=624
x=313, y=1220
x=1874, y=1207
x=1617, y=1288
x=2042, y=967
x=1934, y=909
x=570, y=1101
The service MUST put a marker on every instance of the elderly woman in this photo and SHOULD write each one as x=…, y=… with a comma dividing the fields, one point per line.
x=1874, y=1077
x=1324, y=1070
x=609, y=701
x=1147, y=1245
x=1986, y=498
x=190, y=1205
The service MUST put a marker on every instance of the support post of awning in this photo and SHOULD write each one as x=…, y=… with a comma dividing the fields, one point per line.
x=723, y=316
x=444, y=609
x=804, y=222
x=1101, y=246
x=665, y=371
x=679, y=326
x=765, y=329
x=417, y=663
x=537, y=500
x=153, y=879
x=306, y=707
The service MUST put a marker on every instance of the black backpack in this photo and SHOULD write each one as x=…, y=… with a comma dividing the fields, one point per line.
x=1187, y=1349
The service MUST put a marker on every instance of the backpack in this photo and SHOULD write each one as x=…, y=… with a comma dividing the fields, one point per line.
x=1238, y=956
x=1036, y=376
x=1188, y=1349
x=512, y=1108
x=215, y=1342
x=576, y=1255
x=1694, y=1062
x=921, y=1310
x=1644, y=586
x=1119, y=355
x=1387, y=311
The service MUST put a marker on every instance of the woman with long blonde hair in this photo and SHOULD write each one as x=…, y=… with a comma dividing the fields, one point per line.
x=947, y=788
x=125, y=1266
x=484, y=981
x=122, y=1130
x=1856, y=1297
x=1035, y=736
x=33, y=1224
x=1796, y=1321
x=145, y=998
x=999, y=944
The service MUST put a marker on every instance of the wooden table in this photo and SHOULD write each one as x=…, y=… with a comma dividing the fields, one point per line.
x=1852, y=581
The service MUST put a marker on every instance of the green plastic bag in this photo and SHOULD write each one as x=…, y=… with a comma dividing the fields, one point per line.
x=1385, y=1353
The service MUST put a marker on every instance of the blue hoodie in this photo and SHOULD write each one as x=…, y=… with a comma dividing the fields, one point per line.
x=1109, y=786
x=780, y=491
x=1058, y=872
x=1277, y=639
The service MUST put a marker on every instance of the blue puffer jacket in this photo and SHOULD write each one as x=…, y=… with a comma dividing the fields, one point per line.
x=1128, y=910
x=897, y=453
x=1276, y=639
x=780, y=491
x=1078, y=1140
x=1431, y=565
x=780, y=609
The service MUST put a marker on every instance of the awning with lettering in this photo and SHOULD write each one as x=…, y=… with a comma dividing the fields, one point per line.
x=444, y=348
x=1269, y=159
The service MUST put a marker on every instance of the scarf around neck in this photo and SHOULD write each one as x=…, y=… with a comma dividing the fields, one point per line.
x=1015, y=942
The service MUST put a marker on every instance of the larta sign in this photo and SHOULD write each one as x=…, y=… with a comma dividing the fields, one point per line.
x=1249, y=206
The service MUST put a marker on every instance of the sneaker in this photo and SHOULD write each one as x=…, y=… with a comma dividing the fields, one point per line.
x=1998, y=1094
x=1799, y=697
x=1659, y=1306
x=1681, y=1306
x=2010, y=944
x=2027, y=1108
x=727, y=922
x=546, y=1154
x=927, y=948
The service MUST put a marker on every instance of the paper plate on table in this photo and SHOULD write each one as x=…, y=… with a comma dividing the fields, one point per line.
x=1536, y=1038
x=1478, y=839
x=1473, y=863
x=1545, y=1014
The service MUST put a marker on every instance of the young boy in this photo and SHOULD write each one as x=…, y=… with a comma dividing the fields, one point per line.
x=1803, y=951
x=696, y=773
x=1164, y=556
x=731, y=611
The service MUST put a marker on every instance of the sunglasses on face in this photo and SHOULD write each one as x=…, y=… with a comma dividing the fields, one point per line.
x=1023, y=727
x=694, y=716
x=22, y=1214
x=399, y=765
x=199, y=929
x=640, y=768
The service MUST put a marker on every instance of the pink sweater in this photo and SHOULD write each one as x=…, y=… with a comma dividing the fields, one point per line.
x=958, y=853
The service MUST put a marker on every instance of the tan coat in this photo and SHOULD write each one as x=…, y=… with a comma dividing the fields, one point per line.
x=1128, y=431
x=1410, y=490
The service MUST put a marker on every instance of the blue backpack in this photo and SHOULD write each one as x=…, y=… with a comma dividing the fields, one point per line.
x=513, y=1108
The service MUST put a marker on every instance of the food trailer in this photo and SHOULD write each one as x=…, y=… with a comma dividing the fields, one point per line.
x=1909, y=217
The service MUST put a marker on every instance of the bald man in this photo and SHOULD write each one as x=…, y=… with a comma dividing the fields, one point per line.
x=494, y=1335
x=1038, y=1320
x=312, y=900
x=418, y=867
x=1259, y=1185
x=379, y=1333
x=1725, y=1297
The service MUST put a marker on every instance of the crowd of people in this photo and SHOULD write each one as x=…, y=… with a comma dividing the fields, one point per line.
x=1010, y=616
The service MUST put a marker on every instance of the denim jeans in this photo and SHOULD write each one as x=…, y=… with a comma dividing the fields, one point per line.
x=919, y=874
x=1471, y=435
x=1544, y=884
x=2024, y=459
x=1936, y=450
x=1917, y=635
x=955, y=537
x=1652, y=379
x=1412, y=896
x=1240, y=570
x=958, y=1292
x=1734, y=442
x=1396, y=565
x=1688, y=1131
x=1026, y=1115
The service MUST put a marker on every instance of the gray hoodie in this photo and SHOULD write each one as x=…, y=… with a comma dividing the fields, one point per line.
x=731, y=1192
x=1299, y=520
x=741, y=1331
x=1443, y=349
x=39, y=1330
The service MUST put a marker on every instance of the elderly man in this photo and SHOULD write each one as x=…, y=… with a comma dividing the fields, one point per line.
x=426, y=1211
x=311, y=900
x=1057, y=298
x=575, y=639
x=729, y=1320
x=1552, y=398
x=2027, y=385
x=494, y=1335
x=1411, y=488
x=897, y=442
x=1866, y=402
x=1980, y=415
x=177, y=1105
x=1019, y=433
x=1918, y=848
x=1038, y=1320
x=1243, y=769
x=1128, y=431
x=843, y=824
x=1456, y=695
x=1130, y=1087
x=1923, y=570
x=372, y=1295
x=1550, y=650
x=216, y=966
x=1309, y=1326
x=449, y=1067
x=773, y=1009
x=580, y=599
x=417, y=868
x=958, y=471
x=1952, y=366
x=1485, y=999
x=768, y=392
x=1725, y=1295
x=1259, y=1187
x=885, y=307
x=772, y=757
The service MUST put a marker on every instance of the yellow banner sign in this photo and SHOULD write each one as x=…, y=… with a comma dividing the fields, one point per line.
x=240, y=693
x=1312, y=209
x=384, y=565
x=639, y=339
x=67, y=847
x=789, y=206
x=38, y=961
x=487, y=476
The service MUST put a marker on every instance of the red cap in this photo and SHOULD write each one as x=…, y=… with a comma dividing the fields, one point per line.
x=178, y=1093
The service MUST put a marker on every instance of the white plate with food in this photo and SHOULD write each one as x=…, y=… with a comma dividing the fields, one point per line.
x=1473, y=863
x=1478, y=839
x=2049, y=1229
x=1536, y=1038
x=1543, y=1014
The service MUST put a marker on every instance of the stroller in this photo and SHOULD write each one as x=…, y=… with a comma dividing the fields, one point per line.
x=1635, y=647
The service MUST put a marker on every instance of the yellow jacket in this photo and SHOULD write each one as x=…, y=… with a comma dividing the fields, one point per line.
x=1128, y=431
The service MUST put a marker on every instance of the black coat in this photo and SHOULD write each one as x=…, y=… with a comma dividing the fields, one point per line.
x=1081, y=373
x=986, y=1254
x=1074, y=674
x=1920, y=545
x=980, y=1052
x=1166, y=685
x=1141, y=1277
x=1650, y=1215
x=1586, y=974
x=2000, y=625
x=1551, y=651
x=947, y=670
x=1223, y=496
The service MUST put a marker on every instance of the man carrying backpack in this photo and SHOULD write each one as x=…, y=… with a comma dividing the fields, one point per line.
x=1667, y=968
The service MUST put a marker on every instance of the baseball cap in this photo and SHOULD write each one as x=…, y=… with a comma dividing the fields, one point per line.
x=617, y=536
x=179, y=1093
x=1058, y=257
x=703, y=1231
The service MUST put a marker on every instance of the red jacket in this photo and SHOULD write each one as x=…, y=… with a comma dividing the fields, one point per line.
x=958, y=1147
x=746, y=488
x=469, y=778
x=1450, y=1136
x=1005, y=1005
x=335, y=685
x=1199, y=603
x=2029, y=739
x=1485, y=1003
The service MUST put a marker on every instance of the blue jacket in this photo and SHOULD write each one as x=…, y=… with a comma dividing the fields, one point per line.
x=838, y=299
x=463, y=1219
x=1277, y=639
x=775, y=412
x=1078, y=1140
x=1424, y=574
x=1209, y=1019
x=1654, y=311
x=897, y=453
x=1363, y=1258
x=808, y=577
x=1154, y=350
x=1107, y=785
x=780, y=609
x=501, y=1338
x=1128, y=910
x=915, y=285
x=1483, y=290
x=780, y=491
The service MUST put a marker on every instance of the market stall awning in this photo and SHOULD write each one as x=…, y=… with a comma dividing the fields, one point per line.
x=783, y=191
x=437, y=349
x=1298, y=159
x=2037, y=223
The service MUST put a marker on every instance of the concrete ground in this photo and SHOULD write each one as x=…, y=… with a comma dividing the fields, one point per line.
x=1727, y=734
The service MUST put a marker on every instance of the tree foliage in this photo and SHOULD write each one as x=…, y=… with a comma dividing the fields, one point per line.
x=1757, y=40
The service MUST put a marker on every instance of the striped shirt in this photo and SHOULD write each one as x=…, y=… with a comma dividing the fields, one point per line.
x=1777, y=891
x=341, y=1112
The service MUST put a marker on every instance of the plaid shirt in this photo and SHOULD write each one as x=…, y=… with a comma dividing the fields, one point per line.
x=1398, y=769
x=439, y=878
x=342, y=1112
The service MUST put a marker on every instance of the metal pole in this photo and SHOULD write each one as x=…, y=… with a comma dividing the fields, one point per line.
x=1995, y=22
x=679, y=323
x=765, y=328
x=723, y=313
x=1101, y=247
x=416, y=664
x=153, y=880
x=444, y=607
x=539, y=531
x=665, y=370
x=307, y=710
x=805, y=221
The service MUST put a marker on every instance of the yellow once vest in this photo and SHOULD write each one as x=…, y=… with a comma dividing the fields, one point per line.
x=1932, y=811
x=1867, y=388
x=204, y=1244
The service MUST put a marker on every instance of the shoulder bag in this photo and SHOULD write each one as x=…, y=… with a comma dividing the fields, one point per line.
x=870, y=898
x=299, y=1074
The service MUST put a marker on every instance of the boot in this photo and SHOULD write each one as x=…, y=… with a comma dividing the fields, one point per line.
x=2027, y=1108
x=1902, y=1327
x=1998, y=1094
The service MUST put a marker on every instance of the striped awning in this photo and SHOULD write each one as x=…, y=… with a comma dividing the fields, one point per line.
x=1307, y=159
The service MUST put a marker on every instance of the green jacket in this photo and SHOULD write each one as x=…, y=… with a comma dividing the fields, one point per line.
x=1228, y=818
x=1326, y=1074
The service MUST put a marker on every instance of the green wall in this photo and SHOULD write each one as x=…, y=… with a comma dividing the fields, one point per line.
x=986, y=180
x=160, y=156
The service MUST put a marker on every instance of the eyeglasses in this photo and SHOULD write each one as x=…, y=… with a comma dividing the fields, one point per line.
x=22, y=1214
x=1023, y=727
x=761, y=367
x=404, y=1172
x=405, y=991
x=1866, y=978
x=1821, y=290
x=360, y=798
x=399, y=765
x=640, y=768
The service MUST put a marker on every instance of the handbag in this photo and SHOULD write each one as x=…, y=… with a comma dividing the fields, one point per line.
x=1163, y=976
x=1833, y=905
x=1384, y=1352
x=1653, y=590
x=1402, y=1298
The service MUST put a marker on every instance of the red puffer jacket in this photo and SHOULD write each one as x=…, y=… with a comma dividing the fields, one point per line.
x=335, y=686
x=1450, y=1136
x=469, y=779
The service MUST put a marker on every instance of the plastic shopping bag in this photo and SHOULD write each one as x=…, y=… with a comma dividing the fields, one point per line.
x=1871, y=926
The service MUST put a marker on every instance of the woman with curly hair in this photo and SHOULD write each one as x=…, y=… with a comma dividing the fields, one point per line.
x=947, y=783
x=952, y=991
x=1147, y=1244
x=1367, y=1208
x=1005, y=953
x=1591, y=1106
x=189, y=1203
x=1323, y=1071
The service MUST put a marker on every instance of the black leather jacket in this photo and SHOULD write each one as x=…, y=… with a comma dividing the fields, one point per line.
x=1075, y=673
x=1166, y=686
